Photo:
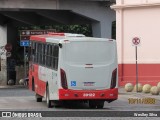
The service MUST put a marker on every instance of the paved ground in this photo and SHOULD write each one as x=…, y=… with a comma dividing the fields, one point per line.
x=19, y=98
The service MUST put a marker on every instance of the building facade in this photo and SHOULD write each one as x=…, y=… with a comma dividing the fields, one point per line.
x=20, y=13
x=138, y=18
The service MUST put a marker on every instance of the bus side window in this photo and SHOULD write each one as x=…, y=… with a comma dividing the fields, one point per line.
x=48, y=61
x=44, y=54
x=39, y=53
x=32, y=55
x=50, y=56
x=52, y=61
x=36, y=54
x=47, y=51
x=46, y=48
x=55, y=54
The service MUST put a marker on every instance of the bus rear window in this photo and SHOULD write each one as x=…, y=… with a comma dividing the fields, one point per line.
x=90, y=52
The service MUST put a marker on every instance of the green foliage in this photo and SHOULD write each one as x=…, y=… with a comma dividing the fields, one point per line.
x=80, y=29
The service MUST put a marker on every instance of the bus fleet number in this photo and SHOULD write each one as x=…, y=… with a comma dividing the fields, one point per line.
x=88, y=94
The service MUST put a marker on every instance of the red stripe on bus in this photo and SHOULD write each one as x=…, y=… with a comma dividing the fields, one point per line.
x=107, y=94
x=40, y=86
x=147, y=74
x=38, y=38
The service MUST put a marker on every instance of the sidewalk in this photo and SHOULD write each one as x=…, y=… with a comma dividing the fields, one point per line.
x=122, y=91
x=12, y=86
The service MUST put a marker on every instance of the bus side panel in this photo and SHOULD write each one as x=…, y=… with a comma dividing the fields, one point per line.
x=55, y=79
x=41, y=88
x=52, y=78
x=41, y=76
x=39, y=85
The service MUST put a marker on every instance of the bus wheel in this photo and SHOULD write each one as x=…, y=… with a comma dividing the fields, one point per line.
x=56, y=103
x=100, y=104
x=38, y=98
x=48, y=98
x=92, y=104
x=33, y=88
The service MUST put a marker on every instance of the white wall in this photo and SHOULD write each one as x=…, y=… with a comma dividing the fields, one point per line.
x=139, y=1
x=138, y=18
x=138, y=21
x=3, y=38
x=145, y=24
x=3, y=42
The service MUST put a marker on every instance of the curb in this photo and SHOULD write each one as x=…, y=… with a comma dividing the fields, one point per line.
x=12, y=86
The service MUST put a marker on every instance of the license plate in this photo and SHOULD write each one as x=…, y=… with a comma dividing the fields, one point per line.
x=89, y=83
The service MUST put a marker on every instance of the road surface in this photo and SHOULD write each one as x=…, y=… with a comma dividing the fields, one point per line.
x=21, y=99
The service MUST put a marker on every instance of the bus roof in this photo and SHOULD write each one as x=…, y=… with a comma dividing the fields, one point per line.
x=62, y=37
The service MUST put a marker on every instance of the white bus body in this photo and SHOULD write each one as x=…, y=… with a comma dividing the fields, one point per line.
x=84, y=69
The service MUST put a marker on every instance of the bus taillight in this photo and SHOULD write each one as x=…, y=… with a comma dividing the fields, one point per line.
x=64, y=79
x=113, y=79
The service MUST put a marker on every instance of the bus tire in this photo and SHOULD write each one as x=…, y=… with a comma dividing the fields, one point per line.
x=92, y=104
x=48, y=98
x=33, y=88
x=38, y=98
x=56, y=103
x=100, y=104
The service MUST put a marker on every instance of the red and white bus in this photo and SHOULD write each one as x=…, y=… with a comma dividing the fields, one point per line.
x=72, y=67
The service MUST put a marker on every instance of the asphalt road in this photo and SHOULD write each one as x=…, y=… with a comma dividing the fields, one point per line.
x=21, y=99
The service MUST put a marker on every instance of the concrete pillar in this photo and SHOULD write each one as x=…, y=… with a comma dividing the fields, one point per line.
x=103, y=28
x=100, y=14
x=96, y=29
x=3, y=42
x=12, y=33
